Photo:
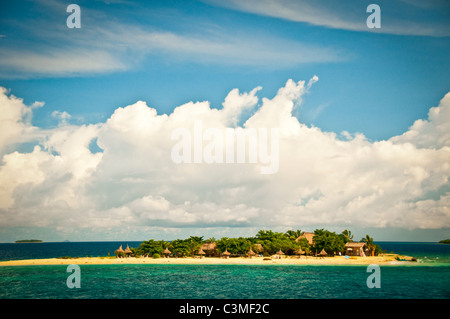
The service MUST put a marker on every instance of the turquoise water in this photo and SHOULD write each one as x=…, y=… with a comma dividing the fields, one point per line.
x=427, y=279
x=224, y=281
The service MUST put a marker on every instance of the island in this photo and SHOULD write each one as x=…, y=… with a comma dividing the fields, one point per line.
x=321, y=247
x=445, y=241
x=28, y=241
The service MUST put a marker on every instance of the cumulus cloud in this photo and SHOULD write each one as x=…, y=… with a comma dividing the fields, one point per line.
x=15, y=119
x=323, y=179
x=433, y=132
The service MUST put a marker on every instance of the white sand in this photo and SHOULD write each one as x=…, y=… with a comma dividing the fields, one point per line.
x=337, y=260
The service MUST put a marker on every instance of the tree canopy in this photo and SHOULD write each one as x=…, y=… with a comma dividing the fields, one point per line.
x=289, y=242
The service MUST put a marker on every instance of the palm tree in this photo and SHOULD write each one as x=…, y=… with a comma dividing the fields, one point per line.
x=294, y=234
x=369, y=242
x=348, y=236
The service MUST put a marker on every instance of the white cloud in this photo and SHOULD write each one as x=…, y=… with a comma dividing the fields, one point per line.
x=433, y=132
x=104, y=44
x=322, y=179
x=15, y=119
x=351, y=15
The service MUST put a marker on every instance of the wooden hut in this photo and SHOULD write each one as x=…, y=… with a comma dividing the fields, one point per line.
x=119, y=252
x=127, y=251
x=226, y=254
x=355, y=249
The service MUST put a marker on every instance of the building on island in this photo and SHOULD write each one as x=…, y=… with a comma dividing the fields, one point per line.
x=119, y=252
x=309, y=236
x=210, y=249
x=356, y=249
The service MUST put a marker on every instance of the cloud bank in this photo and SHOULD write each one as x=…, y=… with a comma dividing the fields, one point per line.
x=324, y=178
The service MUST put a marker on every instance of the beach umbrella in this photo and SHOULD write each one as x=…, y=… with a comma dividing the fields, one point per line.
x=323, y=253
x=226, y=254
x=251, y=253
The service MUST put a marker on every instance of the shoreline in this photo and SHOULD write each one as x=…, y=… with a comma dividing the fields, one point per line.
x=387, y=259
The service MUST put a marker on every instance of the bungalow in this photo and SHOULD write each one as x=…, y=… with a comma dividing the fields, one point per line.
x=210, y=249
x=355, y=249
x=308, y=236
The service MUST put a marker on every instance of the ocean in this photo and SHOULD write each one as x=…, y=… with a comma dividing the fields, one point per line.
x=429, y=278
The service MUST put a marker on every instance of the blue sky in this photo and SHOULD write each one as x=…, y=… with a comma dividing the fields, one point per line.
x=376, y=82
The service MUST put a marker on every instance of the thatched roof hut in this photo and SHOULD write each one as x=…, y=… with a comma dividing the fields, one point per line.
x=323, y=253
x=251, y=253
x=308, y=236
x=299, y=252
x=226, y=254
x=279, y=253
x=128, y=251
x=201, y=252
x=209, y=248
x=259, y=248
x=167, y=251
x=119, y=251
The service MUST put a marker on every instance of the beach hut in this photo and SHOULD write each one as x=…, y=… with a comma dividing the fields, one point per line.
x=308, y=236
x=355, y=249
x=127, y=251
x=279, y=254
x=323, y=253
x=299, y=252
x=210, y=249
x=119, y=252
x=166, y=252
x=251, y=253
x=258, y=248
x=226, y=254
x=201, y=253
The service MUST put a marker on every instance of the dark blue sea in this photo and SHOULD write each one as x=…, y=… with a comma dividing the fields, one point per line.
x=429, y=278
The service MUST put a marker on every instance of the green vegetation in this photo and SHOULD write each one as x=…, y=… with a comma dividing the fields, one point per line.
x=265, y=242
x=445, y=241
x=29, y=241
x=374, y=249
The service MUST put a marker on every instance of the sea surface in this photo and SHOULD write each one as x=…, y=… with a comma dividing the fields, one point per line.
x=429, y=278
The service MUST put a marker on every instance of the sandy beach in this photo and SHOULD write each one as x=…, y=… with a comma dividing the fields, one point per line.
x=388, y=259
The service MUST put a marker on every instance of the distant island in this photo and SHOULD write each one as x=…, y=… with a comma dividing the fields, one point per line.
x=445, y=241
x=28, y=241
